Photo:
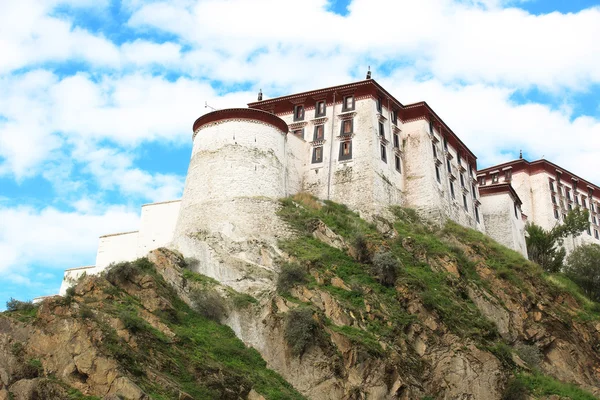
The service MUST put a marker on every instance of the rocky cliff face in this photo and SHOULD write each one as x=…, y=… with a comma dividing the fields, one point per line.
x=393, y=309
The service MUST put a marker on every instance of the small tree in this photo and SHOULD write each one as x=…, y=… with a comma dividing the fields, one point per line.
x=583, y=267
x=301, y=331
x=385, y=268
x=544, y=247
x=17, y=305
x=208, y=303
x=290, y=275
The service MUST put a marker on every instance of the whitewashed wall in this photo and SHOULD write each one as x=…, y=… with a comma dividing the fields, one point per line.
x=157, y=225
x=501, y=223
x=232, y=160
x=116, y=248
x=536, y=195
x=71, y=276
x=424, y=192
x=365, y=183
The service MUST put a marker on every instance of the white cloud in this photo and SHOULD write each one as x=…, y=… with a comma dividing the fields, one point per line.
x=29, y=36
x=115, y=170
x=56, y=239
x=474, y=41
x=495, y=128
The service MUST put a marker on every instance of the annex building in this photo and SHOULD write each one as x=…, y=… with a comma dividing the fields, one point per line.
x=547, y=192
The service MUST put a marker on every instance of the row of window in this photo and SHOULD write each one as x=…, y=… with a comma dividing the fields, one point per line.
x=565, y=192
x=451, y=184
x=345, y=153
x=496, y=177
x=321, y=108
x=347, y=128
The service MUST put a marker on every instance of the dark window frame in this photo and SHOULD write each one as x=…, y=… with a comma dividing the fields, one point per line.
x=297, y=117
x=383, y=152
x=398, y=163
x=342, y=156
x=437, y=173
x=299, y=134
x=452, y=190
x=317, y=113
x=315, y=159
x=315, y=137
x=379, y=105
x=394, y=117
x=381, y=129
x=343, y=124
x=345, y=103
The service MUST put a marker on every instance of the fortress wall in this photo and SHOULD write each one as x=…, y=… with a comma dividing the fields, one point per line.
x=297, y=157
x=501, y=223
x=367, y=183
x=157, y=225
x=430, y=197
x=116, y=248
x=71, y=276
x=355, y=182
x=231, y=160
x=227, y=219
x=363, y=182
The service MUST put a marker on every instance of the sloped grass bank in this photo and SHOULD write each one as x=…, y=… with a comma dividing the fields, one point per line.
x=438, y=265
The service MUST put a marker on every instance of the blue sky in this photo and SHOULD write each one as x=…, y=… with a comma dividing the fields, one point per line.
x=99, y=96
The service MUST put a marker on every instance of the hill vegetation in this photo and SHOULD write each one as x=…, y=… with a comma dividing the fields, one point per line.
x=398, y=308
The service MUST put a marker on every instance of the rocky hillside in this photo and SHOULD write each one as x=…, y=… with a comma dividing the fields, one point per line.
x=393, y=309
x=127, y=335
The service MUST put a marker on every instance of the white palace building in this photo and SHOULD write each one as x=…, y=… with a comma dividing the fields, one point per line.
x=355, y=144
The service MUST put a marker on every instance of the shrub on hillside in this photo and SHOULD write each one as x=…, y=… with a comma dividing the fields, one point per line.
x=363, y=254
x=583, y=268
x=133, y=322
x=191, y=263
x=530, y=354
x=125, y=271
x=385, y=268
x=291, y=274
x=300, y=330
x=208, y=303
x=17, y=305
x=515, y=390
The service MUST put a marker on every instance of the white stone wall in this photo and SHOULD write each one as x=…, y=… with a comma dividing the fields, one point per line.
x=364, y=182
x=157, y=225
x=71, y=276
x=501, y=223
x=231, y=160
x=536, y=195
x=227, y=220
x=116, y=248
x=424, y=192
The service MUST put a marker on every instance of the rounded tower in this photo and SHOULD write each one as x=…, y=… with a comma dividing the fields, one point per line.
x=236, y=175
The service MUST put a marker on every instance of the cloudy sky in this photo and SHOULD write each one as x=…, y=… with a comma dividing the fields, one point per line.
x=97, y=97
